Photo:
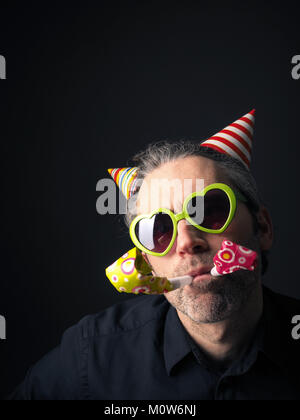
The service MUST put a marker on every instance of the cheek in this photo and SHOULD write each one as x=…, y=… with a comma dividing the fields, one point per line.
x=241, y=227
x=162, y=265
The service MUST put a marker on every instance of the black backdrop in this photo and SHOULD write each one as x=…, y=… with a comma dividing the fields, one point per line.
x=90, y=84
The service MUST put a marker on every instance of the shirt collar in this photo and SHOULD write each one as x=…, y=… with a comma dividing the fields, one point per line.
x=178, y=344
x=274, y=339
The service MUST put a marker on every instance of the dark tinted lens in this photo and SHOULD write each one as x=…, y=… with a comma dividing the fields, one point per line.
x=155, y=234
x=216, y=207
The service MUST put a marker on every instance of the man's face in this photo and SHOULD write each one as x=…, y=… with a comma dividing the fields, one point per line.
x=210, y=299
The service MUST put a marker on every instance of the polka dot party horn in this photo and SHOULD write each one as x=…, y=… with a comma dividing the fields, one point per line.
x=132, y=274
x=233, y=257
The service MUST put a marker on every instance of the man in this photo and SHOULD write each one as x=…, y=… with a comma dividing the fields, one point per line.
x=220, y=337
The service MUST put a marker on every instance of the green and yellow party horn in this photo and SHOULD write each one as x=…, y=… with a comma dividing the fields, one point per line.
x=132, y=274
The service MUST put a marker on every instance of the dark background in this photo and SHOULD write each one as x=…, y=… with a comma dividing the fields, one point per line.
x=90, y=84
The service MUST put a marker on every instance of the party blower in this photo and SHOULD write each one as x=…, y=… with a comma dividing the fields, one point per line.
x=132, y=274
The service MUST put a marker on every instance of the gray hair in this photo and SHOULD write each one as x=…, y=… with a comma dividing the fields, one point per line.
x=159, y=153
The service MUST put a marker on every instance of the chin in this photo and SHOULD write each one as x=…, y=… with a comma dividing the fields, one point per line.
x=213, y=302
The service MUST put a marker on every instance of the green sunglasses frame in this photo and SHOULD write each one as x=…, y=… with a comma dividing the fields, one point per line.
x=232, y=196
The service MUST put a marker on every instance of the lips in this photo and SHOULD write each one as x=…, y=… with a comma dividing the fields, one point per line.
x=200, y=271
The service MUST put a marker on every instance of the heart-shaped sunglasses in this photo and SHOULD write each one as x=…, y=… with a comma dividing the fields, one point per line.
x=210, y=210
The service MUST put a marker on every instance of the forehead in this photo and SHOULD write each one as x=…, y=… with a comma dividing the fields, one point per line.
x=168, y=185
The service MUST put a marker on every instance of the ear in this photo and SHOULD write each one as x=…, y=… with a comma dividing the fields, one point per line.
x=265, y=228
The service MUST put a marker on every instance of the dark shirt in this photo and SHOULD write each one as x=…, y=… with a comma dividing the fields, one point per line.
x=139, y=350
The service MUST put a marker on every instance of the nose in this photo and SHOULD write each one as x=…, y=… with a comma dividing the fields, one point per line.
x=190, y=240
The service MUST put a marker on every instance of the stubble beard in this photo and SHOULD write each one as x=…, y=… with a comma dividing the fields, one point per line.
x=219, y=297
x=216, y=299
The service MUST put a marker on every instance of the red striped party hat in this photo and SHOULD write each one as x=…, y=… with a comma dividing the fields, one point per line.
x=235, y=140
x=126, y=179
